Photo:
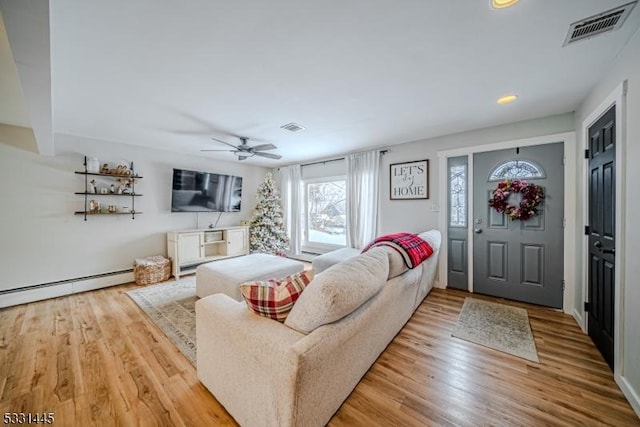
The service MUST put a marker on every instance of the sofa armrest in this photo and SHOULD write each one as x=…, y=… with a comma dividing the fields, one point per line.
x=243, y=357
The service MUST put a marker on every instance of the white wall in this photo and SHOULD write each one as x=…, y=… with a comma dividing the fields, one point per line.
x=419, y=215
x=626, y=67
x=43, y=241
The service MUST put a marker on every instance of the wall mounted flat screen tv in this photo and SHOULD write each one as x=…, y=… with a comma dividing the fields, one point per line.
x=195, y=191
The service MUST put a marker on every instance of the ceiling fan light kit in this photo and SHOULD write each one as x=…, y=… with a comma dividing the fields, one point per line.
x=244, y=150
x=501, y=4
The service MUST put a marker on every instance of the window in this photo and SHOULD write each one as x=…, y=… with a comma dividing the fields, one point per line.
x=325, y=213
x=517, y=169
x=458, y=195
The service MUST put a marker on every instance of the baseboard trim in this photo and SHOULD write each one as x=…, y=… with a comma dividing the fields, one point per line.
x=630, y=393
x=27, y=294
x=579, y=320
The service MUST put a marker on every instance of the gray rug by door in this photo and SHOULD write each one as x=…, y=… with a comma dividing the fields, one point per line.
x=497, y=326
x=172, y=306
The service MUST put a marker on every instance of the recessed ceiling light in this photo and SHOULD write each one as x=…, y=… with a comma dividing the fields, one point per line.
x=508, y=99
x=500, y=4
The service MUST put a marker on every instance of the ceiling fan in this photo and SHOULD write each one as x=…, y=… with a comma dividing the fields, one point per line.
x=244, y=150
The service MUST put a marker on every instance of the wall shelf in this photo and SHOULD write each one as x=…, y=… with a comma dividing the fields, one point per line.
x=105, y=213
x=107, y=194
x=110, y=175
x=111, y=183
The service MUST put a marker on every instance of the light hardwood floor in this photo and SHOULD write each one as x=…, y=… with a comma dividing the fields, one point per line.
x=96, y=359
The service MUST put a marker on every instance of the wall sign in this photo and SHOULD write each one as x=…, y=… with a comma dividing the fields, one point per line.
x=409, y=180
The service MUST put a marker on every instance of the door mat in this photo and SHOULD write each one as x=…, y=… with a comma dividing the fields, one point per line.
x=497, y=326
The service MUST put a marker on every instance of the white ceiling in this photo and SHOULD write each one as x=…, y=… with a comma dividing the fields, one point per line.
x=357, y=74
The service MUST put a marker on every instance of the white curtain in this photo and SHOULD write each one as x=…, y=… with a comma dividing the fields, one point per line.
x=363, y=170
x=291, y=191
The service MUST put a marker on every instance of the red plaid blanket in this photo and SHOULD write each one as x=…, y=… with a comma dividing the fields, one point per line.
x=413, y=249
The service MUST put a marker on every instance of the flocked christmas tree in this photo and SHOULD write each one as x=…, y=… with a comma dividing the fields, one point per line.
x=268, y=234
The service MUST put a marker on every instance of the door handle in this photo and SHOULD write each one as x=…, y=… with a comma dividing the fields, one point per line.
x=608, y=251
x=477, y=230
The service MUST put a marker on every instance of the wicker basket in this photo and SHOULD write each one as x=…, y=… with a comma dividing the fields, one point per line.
x=152, y=269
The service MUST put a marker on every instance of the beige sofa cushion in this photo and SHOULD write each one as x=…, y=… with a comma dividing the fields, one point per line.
x=397, y=266
x=339, y=290
x=433, y=238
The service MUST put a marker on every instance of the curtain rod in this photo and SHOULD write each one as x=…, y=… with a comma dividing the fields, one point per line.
x=383, y=152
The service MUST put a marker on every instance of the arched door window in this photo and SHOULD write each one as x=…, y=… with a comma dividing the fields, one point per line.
x=517, y=169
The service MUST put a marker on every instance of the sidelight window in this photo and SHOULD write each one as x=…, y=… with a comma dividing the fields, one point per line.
x=458, y=195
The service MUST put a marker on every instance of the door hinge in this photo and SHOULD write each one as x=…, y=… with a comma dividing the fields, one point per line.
x=564, y=222
x=587, y=230
x=586, y=154
x=563, y=285
x=564, y=160
x=587, y=307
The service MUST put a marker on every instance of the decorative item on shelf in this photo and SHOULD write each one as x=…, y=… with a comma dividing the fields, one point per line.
x=125, y=209
x=94, y=206
x=93, y=165
x=105, y=168
x=121, y=183
x=112, y=209
x=112, y=189
x=532, y=196
x=92, y=187
x=123, y=170
x=104, y=190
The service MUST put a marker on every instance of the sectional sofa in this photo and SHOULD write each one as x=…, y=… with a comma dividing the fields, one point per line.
x=298, y=373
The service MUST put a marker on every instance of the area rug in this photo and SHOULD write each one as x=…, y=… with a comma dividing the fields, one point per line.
x=172, y=306
x=497, y=326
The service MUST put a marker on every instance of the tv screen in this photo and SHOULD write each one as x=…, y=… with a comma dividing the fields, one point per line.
x=205, y=192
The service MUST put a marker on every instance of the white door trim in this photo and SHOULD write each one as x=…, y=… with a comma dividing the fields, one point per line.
x=570, y=182
x=617, y=98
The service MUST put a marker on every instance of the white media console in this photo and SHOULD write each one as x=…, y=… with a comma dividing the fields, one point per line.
x=190, y=248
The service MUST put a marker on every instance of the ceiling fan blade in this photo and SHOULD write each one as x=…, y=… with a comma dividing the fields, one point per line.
x=231, y=151
x=268, y=155
x=264, y=147
x=224, y=142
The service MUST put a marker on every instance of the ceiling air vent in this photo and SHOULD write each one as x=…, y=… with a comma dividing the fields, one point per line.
x=293, y=127
x=598, y=24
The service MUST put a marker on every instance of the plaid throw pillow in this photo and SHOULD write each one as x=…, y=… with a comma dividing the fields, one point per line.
x=274, y=298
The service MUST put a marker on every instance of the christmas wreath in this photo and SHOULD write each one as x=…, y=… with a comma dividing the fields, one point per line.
x=532, y=196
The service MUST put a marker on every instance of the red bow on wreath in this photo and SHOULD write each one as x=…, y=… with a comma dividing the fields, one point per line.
x=532, y=196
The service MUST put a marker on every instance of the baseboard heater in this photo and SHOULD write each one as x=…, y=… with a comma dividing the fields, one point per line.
x=63, y=282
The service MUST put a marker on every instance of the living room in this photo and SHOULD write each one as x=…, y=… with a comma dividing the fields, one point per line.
x=50, y=253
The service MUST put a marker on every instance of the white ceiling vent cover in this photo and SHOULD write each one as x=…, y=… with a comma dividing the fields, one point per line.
x=293, y=127
x=597, y=24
